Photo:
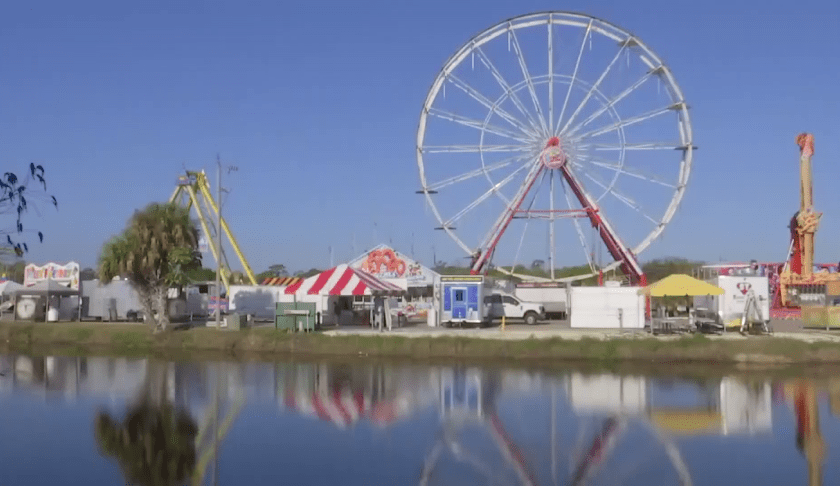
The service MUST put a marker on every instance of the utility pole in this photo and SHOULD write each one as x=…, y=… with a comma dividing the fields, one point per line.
x=230, y=168
x=219, y=245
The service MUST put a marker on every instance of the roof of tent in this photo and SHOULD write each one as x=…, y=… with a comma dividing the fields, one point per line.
x=281, y=281
x=45, y=287
x=8, y=287
x=343, y=280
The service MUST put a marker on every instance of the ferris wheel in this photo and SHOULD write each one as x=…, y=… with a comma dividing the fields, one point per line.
x=545, y=120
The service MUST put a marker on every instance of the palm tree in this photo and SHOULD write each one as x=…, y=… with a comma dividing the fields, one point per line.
x=155, y=444
x=154, y=252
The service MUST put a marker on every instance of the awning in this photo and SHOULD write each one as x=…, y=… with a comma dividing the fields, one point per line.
x=281, y=281
x=343, y=280
x=679, y=285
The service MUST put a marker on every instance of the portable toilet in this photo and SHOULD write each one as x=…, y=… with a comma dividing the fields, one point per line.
x=461, y=299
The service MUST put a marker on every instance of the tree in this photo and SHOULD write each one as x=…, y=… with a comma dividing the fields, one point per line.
x=238, y=278
x=279, y=270
x=201, y=274
x=155, y=444
x=16, y=197
x=538, y=265
x=658, y=269
x=87, y=274
x=308, y=273
x=14, y=271
x=155, y=252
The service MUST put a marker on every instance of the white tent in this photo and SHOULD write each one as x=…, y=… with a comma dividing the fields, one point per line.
x=9, y=287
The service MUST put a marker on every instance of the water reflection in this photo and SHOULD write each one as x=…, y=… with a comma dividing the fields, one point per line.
x=172, y=423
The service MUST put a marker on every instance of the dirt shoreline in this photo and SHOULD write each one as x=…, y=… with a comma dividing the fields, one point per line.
x=602, y=348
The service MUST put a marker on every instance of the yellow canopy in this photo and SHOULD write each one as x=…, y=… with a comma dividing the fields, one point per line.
x=686, y=421
x=678, y=285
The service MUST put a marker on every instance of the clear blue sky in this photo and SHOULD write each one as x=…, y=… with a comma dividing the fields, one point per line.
x=318, y=104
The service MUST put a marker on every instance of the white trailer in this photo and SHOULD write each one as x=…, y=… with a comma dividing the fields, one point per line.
x=607, y=307
x=554, y=297
x=730, y=305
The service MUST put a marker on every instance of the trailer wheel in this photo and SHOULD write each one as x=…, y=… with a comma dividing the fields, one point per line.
x=530, y=318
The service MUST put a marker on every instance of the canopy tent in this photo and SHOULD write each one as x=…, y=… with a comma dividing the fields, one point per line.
x=679, y=285
x=9, y=287
x=344, y=281
x=47, y=288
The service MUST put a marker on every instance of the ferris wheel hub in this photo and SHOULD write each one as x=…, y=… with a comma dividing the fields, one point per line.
x=553, y=156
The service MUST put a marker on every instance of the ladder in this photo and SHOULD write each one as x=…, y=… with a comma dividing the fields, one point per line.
x=751, y=308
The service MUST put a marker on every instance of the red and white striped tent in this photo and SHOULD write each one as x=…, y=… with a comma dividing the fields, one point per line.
x=343, y=280
x=344, y=408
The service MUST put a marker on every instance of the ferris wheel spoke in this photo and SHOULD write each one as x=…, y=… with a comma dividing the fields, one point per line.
x=636, y=146
x=530, y=82
x=550, y=75
x=628, y=122
x=493, y=107
x=524, y=230
x=607, y=106
x=484, y=59
x=593, y=89
x=621, y=197
x=579, y=230
x=622, y=169
x=479, y=125
x=490, y=240
x=474, y=173
x=434, y=149
x=575, y=72
x=484, y=196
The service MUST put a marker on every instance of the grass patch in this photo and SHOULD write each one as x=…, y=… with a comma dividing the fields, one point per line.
x=78, y=338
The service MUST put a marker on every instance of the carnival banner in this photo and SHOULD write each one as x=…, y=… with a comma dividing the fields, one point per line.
x=67, y=274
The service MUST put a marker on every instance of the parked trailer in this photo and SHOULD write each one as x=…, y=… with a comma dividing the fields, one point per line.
x=115, y=301
x=730, y=305
x=118, y=301
x=553, y=296
x=607, y=307
x=461, y=299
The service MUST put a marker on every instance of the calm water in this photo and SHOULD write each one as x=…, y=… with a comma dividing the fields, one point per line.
x=137, y=421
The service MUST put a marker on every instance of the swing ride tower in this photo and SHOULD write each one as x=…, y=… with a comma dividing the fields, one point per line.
x=193, y=191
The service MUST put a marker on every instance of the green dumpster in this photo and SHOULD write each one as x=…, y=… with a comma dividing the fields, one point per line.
x=234, y=322
x=295, y=316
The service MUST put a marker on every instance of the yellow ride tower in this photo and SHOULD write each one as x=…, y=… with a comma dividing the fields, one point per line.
x=193, y=191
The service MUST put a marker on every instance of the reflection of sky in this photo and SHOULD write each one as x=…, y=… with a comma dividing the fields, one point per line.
x=49, y=439
x=51, y=443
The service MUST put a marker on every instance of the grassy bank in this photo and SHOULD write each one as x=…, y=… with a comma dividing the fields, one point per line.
x=122, y=339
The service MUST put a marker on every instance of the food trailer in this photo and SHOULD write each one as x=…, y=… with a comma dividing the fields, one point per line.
x=460, y=299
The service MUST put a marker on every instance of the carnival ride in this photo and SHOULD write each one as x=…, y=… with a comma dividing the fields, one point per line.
x=468, y=406
x=593, y=116
x=803, y=395
x=798, y=282
x=193, y=191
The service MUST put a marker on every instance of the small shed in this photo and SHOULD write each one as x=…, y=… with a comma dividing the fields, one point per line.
x=47, y=293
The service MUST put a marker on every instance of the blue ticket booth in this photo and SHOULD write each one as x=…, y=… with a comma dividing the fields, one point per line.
x=461, y=299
